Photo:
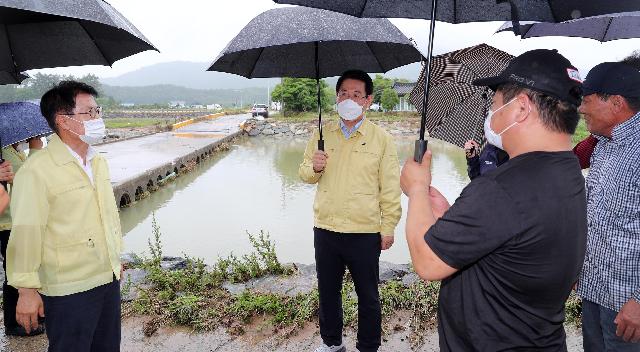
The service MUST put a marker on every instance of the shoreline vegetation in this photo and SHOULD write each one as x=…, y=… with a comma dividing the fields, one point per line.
x=235, y=292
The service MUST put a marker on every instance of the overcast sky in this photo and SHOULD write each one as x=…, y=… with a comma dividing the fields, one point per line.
x=197, y=30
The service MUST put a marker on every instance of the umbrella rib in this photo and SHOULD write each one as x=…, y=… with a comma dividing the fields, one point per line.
x=553, y=13
x=95, y=43
x=255, y=63
x=375, y=57
x=604, y=34
x=364, y=6
x=13, y=58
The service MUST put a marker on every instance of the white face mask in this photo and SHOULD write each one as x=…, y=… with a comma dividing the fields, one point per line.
x=349, y=110
x=94, y=131
x=492, y=137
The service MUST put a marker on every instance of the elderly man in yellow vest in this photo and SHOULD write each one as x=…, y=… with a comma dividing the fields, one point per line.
x=65, y=244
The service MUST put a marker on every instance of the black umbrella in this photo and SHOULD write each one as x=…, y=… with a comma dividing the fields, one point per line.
x=305, y=42
x=602, y=28
x=457, y=108
x=53, y=33
x=12, y=77
x=456, y=11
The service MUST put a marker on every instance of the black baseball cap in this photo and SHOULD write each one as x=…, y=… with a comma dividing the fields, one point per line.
x=613, y=78
x=542, y=70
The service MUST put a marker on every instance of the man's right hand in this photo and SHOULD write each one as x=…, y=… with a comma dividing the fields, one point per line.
x=471, y=148
x=319, y=160
x=6, y=172
x=29, y=308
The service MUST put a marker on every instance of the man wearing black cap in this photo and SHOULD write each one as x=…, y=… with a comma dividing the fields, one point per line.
x=610, y=280
x=510, y=248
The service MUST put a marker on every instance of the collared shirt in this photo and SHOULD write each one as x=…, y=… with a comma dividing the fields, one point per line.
x=66, y=235
x=348, y=132
x=16, y=159
x=611, y=272
x=91, y=153
x=359, y=189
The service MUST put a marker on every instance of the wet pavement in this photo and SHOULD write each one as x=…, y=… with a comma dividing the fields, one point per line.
x=130, y=158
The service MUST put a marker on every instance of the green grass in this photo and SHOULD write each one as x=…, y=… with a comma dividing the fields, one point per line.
x=581, y=132
x=123, y=122
x=195, y=296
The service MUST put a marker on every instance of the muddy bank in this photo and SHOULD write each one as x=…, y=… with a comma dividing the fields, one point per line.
x=259, y=337
x=259, y=334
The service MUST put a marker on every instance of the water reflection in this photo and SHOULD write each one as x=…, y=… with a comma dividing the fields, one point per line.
x=255, y=186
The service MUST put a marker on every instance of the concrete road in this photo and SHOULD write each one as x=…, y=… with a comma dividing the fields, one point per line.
x=133, y=157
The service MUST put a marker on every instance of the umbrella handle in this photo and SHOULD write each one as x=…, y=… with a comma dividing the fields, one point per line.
x=321, y=144
x=421, y=148
x=3, y=183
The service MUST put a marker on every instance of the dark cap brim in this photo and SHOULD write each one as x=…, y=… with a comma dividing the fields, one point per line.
x=586, y=90
x=491, y=82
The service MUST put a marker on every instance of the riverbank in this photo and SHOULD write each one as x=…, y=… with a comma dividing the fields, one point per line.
x=396, y=123
x=283, y=127
x=255, y=303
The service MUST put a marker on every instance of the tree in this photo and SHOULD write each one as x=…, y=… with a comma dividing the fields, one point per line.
x=301, y=94
x=389, y=99
x=380, y=83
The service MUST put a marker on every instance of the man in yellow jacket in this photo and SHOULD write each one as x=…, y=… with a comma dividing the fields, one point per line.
x=65, y=244
x=357, y=208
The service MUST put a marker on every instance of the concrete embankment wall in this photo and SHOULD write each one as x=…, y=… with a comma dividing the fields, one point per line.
x=134, y=188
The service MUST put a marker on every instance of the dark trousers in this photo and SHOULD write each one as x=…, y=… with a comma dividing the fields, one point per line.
x=84, y=322
x=599, y=330
x=360, y=253
x=9, y=293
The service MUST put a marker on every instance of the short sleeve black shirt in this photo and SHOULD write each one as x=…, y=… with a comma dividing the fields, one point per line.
x=517, y=235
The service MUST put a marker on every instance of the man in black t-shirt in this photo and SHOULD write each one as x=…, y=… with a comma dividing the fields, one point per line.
x=510, y=248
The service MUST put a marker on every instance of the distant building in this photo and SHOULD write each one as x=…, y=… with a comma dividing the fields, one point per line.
x=403, y=90
x=214, y=107
x=197, y=106
x=127, y=105
x=177, y=104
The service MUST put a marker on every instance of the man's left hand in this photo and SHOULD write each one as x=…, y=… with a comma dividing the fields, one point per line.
x=386, y=242
x=628, y=321
x=416, y=177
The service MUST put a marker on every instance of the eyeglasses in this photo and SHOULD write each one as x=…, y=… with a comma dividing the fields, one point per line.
x=93, y=112
x=343, y=94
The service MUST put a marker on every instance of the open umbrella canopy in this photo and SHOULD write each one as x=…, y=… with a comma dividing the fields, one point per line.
x=602, y=28
x=457, y=109
x=289, y=42
x=53, y=33
x=20, y=121
x=456, y=11
x=312, y=43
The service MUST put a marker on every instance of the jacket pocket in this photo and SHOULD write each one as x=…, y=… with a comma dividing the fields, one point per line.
x=364, y=209
x=80, y=256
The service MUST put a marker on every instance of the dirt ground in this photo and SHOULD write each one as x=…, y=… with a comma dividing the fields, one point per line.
x=259, y=337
